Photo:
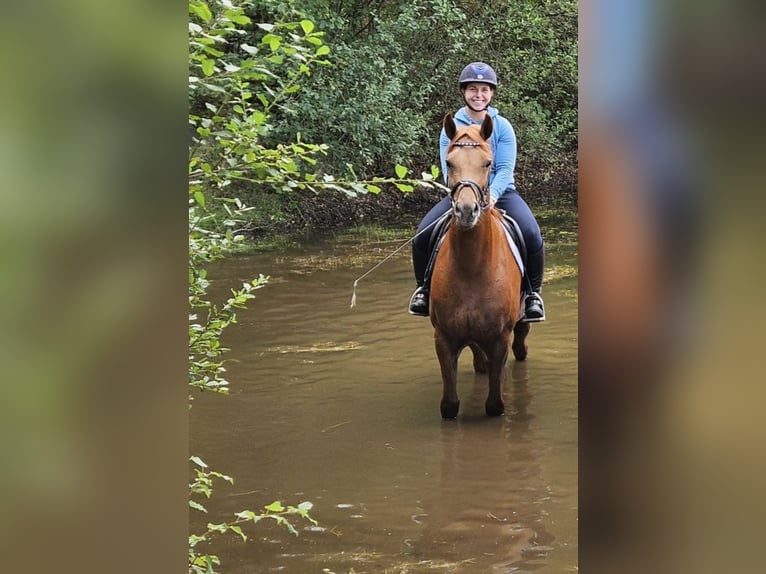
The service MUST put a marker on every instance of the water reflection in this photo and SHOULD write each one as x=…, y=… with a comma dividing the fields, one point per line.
x=486, y=512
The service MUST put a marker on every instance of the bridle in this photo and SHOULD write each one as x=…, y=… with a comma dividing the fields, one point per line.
x=480, y=192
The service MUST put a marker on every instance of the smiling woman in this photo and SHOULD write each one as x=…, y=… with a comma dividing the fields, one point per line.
x=477, y=83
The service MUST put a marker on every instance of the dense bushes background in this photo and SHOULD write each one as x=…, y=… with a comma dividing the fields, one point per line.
x=392, y=75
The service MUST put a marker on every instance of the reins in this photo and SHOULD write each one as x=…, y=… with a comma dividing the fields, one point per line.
x=394, y=252
x=480, y=195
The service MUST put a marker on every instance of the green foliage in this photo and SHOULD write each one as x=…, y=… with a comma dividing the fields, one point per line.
x=276, y=112
x=240, y=75
x=228, y=125
x=234, y=86
x=394, y=76
x=246, y=74
x=202, y=485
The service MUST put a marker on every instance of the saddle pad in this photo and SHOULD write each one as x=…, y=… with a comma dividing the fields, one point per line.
x=514, y=250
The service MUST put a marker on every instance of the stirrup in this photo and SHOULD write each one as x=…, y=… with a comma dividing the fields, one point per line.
x=526, y=319
x=422, y=310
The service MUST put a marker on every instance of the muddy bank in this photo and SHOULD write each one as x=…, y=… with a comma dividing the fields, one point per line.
x=330, y=211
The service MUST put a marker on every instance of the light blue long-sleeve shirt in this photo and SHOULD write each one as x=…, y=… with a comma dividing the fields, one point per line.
x=503, y=144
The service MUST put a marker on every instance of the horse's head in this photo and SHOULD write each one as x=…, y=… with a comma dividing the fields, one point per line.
x=469, y=159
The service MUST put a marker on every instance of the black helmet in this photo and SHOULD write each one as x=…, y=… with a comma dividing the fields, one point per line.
x=478, y=72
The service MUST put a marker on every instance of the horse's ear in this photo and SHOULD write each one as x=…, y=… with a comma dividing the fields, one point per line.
x=449, y=126
x=486, y=127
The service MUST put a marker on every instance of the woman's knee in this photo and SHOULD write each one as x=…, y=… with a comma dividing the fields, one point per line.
x=518, y=209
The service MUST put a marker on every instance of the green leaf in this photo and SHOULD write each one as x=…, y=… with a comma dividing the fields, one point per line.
x=272, y=40
x=201, y=9
x=258, y=117
x=238, y=530
x=401, y=171
x=198, y=461
x=322, y=50
x=275, y=507
x=404, y=187
x=264, y=26
x=434, y=171
x=213, y=52
x=208, y=67
x=197, y=506
x=372, y=188
x=213, y=87
x=307, y=26
x=240, y=19
x=199, y=197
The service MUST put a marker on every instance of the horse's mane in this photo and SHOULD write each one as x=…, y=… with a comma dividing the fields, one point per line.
x=471, y=133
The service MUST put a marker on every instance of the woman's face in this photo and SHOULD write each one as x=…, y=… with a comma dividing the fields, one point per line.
x=478, y=95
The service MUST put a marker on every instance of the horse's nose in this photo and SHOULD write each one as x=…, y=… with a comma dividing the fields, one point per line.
x=467, y=212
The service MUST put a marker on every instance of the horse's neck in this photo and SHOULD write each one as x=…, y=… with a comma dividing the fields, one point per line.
x=473, y=247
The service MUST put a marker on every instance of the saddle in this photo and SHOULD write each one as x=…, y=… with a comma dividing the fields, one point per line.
x=512, y=233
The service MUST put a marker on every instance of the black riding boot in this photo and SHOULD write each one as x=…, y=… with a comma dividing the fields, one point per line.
x=419, y=299
x=419, y=302
x=534, y=309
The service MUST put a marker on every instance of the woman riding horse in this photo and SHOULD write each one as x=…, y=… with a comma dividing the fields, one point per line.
x=476, y=280
x=477, y=84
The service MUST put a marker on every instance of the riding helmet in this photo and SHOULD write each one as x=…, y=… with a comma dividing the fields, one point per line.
x=478, y=72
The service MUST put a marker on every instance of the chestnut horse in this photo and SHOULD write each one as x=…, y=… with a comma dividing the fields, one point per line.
x=476, y=282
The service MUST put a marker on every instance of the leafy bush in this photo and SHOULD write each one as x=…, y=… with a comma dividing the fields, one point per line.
x=228, y=121
x=394, y=75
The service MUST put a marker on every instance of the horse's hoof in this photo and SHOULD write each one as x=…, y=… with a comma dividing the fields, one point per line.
x=494, y=409
x=450, y=410
x=520, y=354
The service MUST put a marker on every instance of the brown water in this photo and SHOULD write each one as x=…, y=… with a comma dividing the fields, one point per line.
x=340, y=407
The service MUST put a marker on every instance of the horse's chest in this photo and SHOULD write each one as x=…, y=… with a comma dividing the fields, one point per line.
x=474, y=292
x=474, y=315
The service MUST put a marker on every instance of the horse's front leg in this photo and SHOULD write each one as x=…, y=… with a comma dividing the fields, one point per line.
x=497, y=356
x=448, y=355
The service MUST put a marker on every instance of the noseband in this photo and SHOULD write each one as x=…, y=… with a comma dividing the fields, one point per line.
x=480, y=192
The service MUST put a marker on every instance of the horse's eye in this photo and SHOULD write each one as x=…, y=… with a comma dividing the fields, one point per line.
x=487, y=164
x=449, y=164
